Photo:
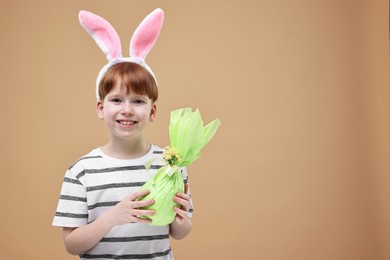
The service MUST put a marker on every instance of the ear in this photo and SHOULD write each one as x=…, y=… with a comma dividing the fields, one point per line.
x=103, y=33
x=99, y=109
x=153, y=112
x=146, y=34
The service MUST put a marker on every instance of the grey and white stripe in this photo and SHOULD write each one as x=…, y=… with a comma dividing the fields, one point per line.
x=97, y=182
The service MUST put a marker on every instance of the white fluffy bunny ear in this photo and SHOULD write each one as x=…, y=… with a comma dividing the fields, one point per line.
x=146, y=34
x=108, y=40
x=103, y=33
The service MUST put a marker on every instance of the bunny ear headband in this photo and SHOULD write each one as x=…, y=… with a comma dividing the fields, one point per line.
x=108, y=40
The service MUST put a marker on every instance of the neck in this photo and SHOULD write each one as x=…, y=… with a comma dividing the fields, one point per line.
x=126, y=149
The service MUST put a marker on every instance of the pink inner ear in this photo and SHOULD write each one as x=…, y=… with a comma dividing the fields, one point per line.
x=146, y=34
x=103, y=33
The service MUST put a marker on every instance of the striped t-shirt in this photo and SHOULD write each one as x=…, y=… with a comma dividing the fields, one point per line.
x=97, y=182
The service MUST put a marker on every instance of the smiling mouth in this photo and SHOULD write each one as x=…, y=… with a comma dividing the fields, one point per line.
x=126, y=122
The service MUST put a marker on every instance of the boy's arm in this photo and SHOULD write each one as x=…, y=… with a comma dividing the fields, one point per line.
x=81, y=239
x=84, y=238
x=182, y=224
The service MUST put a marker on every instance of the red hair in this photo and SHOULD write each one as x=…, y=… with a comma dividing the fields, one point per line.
x=133, y=76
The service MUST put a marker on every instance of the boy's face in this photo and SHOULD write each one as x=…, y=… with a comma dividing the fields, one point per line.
x=126, y=115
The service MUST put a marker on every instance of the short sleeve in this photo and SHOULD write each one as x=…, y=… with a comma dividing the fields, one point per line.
x=72, y=209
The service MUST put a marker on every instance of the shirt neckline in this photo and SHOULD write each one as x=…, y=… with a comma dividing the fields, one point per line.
x=141, y=158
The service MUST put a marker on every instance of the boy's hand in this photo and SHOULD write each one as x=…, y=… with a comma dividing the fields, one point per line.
x=184, y=200
x=128, y=210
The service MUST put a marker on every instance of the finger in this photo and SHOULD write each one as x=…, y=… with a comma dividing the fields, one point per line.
x=179, y=219
x=142, y=212
x=139, y=194
x=180, y=212
x=184, y=205
x=181, y=201
x=141, y=203
x=183, y=196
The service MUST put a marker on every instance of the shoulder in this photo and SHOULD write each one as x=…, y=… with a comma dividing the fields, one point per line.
x=86, y=160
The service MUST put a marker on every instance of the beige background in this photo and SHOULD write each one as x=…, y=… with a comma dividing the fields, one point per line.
x=300, y=167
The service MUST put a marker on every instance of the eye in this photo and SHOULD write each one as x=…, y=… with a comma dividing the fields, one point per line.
x=139, y=101
x=116, y=100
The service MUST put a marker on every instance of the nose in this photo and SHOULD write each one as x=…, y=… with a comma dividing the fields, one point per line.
x=127, y=108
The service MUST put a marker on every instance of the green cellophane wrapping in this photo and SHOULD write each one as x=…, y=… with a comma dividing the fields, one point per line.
x=188, y=136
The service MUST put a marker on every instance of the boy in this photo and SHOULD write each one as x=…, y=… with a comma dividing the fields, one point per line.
x=98, y=207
